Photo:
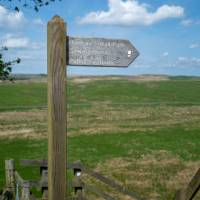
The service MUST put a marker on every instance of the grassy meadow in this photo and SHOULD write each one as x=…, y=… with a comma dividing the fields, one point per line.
x=143, y=132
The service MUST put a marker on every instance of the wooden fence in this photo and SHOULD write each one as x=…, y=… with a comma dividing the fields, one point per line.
x=19, y=189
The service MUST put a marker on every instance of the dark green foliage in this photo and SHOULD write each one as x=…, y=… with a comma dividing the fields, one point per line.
x=5, y=67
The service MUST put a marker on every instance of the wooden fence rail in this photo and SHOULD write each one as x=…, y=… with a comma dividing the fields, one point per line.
x=77, y=183
x=13, y=180
x=191, y=190
x=111, y=183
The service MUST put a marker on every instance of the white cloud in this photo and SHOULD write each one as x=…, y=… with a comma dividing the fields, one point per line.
x=19, y=42
x=32, y=61
x=131, y=12
x=11, y=19
x=165, y=54
x=190, y=22
x=196, y=60
x=187, y=22
x=189, y=61
x=30, y=54
x=194, y=46
x=38, y=22
x=37, y=45
x=11, y=41
x=182, y=59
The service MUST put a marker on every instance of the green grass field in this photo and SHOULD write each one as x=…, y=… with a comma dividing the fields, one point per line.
x=175, y=90
x=144, y=134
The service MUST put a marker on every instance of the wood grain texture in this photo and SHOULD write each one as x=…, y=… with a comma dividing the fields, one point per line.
x=191, y=190
x=44, y=179
x=18, y=179
x=25, y=195
x=180, y=195
x=100, y=52
x=193, y=186
x=10, y=176
x=56, y=109
x=39, y=163
x=45, y=195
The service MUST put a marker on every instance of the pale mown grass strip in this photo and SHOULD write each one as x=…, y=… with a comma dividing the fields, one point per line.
x=155, y=176
x=99, y=119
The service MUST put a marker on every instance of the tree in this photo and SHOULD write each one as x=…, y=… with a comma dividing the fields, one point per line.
x=5, y=67
x=18, y=4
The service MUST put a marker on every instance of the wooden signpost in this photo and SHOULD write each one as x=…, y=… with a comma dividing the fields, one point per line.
x=62, y=51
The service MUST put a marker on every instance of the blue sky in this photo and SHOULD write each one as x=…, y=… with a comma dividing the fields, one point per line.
x=166, y=33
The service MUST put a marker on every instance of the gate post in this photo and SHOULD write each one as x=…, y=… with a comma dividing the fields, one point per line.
x=56, y=58
x=25, y=191
x=10, y=177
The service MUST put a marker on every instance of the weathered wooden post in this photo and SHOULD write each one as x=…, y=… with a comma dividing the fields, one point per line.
x=10, y=177
x=25, y=195
x=56, y=49
x=45, y=195
x=62, y=51
x=44, y=184
x=78, y=185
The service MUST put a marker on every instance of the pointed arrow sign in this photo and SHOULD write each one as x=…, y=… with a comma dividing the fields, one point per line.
x=100, y=52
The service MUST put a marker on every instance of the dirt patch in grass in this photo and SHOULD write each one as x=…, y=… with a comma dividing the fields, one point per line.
x=23, y=115
x=148, y=78
x=29, y=124
x=86, y=79
x=99, y=119
x=123, y=119
x=20, y=133
x=155, y=176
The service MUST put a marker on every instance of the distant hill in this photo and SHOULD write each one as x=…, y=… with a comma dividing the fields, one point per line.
x=83, y=79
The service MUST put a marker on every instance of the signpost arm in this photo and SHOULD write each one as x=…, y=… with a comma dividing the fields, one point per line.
x=56, y=49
